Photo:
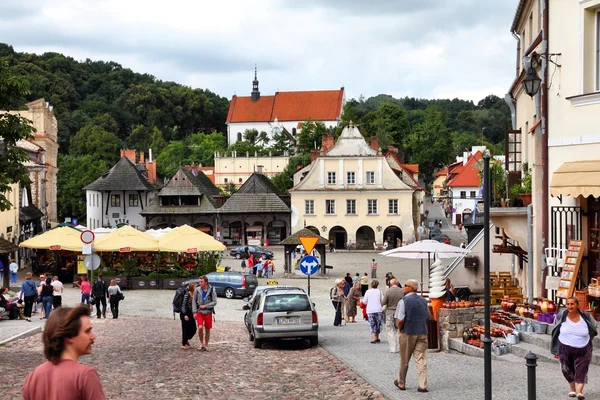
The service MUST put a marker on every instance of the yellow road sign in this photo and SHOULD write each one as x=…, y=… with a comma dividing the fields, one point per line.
x=308, y=242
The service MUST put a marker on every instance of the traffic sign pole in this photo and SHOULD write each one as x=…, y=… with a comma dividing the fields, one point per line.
x=309, y=265
x=308, y=285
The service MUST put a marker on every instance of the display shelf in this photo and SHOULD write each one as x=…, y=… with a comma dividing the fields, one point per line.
x=570, y=271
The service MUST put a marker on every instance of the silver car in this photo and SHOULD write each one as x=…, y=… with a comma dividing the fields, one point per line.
x=282, y=314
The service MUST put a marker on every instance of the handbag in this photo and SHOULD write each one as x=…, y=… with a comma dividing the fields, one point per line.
x=121, y=296
x=92, y=301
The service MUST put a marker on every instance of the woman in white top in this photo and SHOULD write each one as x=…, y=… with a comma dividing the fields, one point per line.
x=572, y=341
x=372, y=299
x=114, y=297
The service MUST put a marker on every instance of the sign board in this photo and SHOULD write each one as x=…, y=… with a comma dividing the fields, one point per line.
x=55, y=247
x=125, y=250
x=92, y=262
x=570, y=272
x=309, y=265
x=272, y=283
x=86, y=249
x=192, y=250
x=87, y=236
x=81, y=268
x=552, y=282
x=308, y=242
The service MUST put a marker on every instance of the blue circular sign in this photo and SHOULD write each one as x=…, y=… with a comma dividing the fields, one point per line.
x=309, y=265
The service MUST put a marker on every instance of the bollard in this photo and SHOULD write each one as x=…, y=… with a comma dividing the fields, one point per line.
x=531, y=363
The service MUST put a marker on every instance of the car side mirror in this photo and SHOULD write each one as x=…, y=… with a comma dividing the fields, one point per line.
x=314, y=305
x=245, y=307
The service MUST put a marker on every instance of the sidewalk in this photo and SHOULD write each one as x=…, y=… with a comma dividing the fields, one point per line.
x=17, y=329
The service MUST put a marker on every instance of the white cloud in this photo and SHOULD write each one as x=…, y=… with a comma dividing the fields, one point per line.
x=426, y=48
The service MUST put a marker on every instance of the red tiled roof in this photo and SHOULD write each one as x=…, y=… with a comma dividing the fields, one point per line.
x=414, y=168
x=468, y=175
x=442, y=172
x=318, y=105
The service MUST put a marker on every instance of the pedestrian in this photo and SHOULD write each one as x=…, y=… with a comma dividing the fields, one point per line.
x=66, y=337
x=14, y=268
x=250, y=265
x=57, y=293
x=352, y=302
x=28, y=295
x=86, y=291
x=450, y=291
x=374, y=269
x=188, y=326
x=572, y=341
x=100, y=293
x=364, y=284
x=391, y=298
x=39, y=306
x=331, y=246
x=46, y=289
x=412, y=313
x=266, y=268
x=8, y=304
x=372, y=299
x=337, y=298
x=203, y=305
x=388, y=278
x=259, y=266
x=114, y=297
x=356, y=279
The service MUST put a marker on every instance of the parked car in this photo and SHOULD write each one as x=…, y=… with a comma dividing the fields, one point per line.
x=230, y=284
x=442, y=239
x=256, y=251
x=257, y=291
x=435, y=231
x=282, y=314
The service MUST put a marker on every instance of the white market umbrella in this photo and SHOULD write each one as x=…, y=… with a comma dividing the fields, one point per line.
x=424, y=249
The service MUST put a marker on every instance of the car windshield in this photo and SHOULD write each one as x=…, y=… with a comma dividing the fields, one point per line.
x=286, y=302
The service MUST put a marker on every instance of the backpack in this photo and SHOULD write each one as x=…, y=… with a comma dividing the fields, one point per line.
x=178, y=299
x=332, y=292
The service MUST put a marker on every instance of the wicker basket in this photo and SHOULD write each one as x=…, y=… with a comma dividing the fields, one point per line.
x=582, y=296
x=593, y=288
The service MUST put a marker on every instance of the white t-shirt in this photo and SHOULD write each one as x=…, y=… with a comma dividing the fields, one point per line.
x=58, y=288
x=574, y=334
x=372, y=299
x=13, y=267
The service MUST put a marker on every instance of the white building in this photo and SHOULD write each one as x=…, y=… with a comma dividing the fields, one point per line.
x=235, y=169
x=282, y=111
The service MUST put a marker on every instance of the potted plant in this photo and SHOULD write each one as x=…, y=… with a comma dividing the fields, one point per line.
x=526, y=183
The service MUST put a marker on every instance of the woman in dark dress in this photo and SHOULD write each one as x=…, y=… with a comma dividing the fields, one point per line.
x=188, y=325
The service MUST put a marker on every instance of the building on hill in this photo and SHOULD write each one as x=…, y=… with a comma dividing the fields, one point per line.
x=282, y=112
x=439, y=184
x=236, y=170
x=351, y=193
x=120, y=195
x=464, y=186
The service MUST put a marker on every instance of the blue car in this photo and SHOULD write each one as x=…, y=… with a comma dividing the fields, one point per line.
x=230, y=284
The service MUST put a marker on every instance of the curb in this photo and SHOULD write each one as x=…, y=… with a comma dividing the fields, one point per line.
x=22, y=335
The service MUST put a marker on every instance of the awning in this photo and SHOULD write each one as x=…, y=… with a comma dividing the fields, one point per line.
x=577, y=178
x=29, y=213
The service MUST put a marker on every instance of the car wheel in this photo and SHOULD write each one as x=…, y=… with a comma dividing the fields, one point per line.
x=258, y=343
x=229, y=293
x=238, y=256
x=314, y=340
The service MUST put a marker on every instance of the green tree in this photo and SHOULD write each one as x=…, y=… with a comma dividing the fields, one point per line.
x=242, y=148
x=310, y=136
x=157, y=141
x=256, y=138
x=285, y=180
x=281, y=143
x=203, y=147
x=139, y=138
x=95, y=141
x=172, y=158
x=12, y=129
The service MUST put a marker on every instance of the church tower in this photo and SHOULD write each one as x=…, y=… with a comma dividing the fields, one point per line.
x=255, y=95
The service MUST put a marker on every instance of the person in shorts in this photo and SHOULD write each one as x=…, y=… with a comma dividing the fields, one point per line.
x=203, y=304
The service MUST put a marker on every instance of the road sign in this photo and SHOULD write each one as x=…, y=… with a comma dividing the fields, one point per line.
x=309, y=265
x=92, y=262
x=308, y=242
x=87, y=236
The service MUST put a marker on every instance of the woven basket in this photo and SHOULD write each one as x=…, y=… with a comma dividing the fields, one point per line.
x=593, y=288
x=582, y=296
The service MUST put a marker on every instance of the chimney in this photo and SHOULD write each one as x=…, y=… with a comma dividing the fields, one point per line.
x=129, y=154
x=374, y=143
x=314, y=154
x=151, y=171
x=259, y=169
x=327, y=142
x=142, y=158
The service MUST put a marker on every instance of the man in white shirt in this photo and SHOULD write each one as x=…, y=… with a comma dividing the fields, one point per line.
x=58, y=291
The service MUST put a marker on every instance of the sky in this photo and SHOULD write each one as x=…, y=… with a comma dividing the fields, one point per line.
x=417, y=48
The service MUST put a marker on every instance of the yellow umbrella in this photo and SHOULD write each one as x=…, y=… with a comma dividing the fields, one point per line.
x=61, y=238
x=126, y=239
x=185, y=239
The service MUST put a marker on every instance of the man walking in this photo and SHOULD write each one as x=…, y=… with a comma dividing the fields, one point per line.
x=14, y=268
x=203, y=304
x=57, y=293
x=67, y=336
x=100, y=293
x=373, y=269
x=412, y=313
x=391, y=298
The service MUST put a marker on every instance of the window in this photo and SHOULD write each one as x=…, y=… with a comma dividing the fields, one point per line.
x=115, y=200
x=226, y=180
x=239, y=135
x=351, y=178
x=133, y=200
x=330, y=207
x=463, y=194
x=240, y=180
x=473, y=194
x=309, y=207
x=371, y=207
x=393, y=206
x=350, y=206
x=331, y=178
x=370, y=177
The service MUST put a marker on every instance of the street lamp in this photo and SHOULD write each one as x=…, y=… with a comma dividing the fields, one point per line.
x=531, y=83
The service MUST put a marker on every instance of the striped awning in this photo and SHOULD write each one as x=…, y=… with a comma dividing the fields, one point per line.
x=577, y=178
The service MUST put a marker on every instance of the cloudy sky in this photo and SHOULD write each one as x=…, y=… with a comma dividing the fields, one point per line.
x=421, y=48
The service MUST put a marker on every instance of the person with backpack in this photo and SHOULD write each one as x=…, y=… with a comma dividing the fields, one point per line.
x=188, y=326
x=203, y=305
x=100, y=293
x=28, y=295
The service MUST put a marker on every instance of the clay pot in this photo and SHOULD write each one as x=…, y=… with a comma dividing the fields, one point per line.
x=504, y=304
x=536, y=315
x=551, y=306
x=452, y=304
x=544, y=305
x=511, y=305
x=445, y=304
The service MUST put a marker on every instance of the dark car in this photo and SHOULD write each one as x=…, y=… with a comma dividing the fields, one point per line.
x=230, y=284
x=239, y=252
x=442, y=239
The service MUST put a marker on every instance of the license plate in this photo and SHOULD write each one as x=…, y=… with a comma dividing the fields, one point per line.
x=288, y=321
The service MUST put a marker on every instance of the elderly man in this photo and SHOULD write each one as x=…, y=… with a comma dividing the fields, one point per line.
x=391, y=298
x=412, y=314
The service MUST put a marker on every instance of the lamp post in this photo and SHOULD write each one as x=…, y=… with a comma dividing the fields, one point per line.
x=532, y=82
x=487, y=341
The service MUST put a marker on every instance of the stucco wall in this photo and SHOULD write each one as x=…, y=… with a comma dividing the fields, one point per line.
x=235, y=168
